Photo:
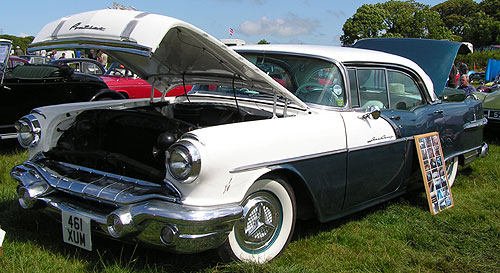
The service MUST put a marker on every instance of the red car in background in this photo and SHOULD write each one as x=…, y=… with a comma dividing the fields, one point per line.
x=126, y=82
x=15, y=61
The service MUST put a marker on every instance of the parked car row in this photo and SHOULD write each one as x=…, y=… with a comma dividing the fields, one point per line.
x=268, y=134
x=38, y=83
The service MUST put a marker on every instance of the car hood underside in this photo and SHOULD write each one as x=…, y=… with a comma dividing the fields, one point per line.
x=164, y=51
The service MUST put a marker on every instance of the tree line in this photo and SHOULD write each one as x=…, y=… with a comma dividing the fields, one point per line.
x=455, y=20
x=22, y=42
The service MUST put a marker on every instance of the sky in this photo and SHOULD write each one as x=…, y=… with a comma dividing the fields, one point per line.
x=276, y=21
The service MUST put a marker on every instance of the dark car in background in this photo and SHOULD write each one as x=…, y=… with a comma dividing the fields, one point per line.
x=14, y=61
x=26, y=86
x=83, y=65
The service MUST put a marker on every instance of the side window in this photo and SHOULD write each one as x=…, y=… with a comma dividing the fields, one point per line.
x=372, y=88
x=353, y=82
x=403, y=92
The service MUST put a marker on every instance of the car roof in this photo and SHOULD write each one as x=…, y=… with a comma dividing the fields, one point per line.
x=345, y=55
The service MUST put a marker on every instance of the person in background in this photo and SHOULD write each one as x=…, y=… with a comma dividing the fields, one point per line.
x=464, y=85
x=63, y=56
x=18, y=51
x=53, y=55
x=452, y=78
x=462, y=68
x=102, y=58
x=91, y=55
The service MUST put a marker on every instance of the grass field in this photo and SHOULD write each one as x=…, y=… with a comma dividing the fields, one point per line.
x=397, y=236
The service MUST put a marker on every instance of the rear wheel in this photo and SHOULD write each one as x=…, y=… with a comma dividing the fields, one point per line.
x=267, y=224
x=452, y=169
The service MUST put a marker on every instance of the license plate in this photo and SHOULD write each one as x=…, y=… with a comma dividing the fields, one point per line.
x=76, y=230
x=494, y=114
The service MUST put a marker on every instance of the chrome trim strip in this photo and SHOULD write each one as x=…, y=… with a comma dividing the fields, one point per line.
x=283, y=161
x=474, y=124
x=311, y=156
x=8, y=136
x=58, y=28
x=369, y=146
x=106, y=45
x=125, y=35
x=465, y=152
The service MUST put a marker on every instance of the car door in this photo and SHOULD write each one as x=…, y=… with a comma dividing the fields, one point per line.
x=377, y=156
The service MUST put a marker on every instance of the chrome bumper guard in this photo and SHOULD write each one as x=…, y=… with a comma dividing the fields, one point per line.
x=164, y=223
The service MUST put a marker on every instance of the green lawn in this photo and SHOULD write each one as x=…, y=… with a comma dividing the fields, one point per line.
x=398, y=236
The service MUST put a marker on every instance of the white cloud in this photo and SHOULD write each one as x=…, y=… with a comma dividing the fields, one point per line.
x=337, y=13
x=291, y=25
x=22, y=34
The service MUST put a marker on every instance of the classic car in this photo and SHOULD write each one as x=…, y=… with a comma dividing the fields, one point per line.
x=27, y=86
x=126, y=82
x=83, y=65
x=234, y=164
x=36, y=59
x=491, y=106
x=15, y=61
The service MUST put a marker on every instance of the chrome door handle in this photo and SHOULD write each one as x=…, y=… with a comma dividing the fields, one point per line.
x=438, y=112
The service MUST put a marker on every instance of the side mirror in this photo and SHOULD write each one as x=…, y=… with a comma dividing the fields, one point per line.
x=373, y=111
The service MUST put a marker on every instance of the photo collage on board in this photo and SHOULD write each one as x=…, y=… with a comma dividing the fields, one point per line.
x=435, y=173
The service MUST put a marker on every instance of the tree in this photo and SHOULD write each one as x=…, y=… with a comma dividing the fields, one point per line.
x=263, y=42
x=22, y=42
x=456, y=14
x=395, y=19
x=368, y=21
x=483, y=30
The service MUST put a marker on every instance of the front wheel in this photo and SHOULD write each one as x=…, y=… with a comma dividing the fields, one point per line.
x=266, y=226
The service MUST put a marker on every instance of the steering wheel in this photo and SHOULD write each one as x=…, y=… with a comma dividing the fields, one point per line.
x=115, y=72
x=313, y=92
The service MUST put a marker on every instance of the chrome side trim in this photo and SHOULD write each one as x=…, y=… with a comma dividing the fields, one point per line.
x=311, y=156
x=470, y=153
x=369, y=146
x=8, y=136
x=476, y=123
x=283, y=161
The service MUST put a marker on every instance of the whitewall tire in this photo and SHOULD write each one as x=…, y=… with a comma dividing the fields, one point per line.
x=266, y=226
x=452, y=169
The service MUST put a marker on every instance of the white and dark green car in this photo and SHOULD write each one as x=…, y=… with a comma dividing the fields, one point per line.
x=269, y=134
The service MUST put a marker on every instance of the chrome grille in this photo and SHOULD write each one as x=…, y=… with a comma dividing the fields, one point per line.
x=100, y=186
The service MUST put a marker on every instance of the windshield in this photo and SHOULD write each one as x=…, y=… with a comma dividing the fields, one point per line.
x=311, y=80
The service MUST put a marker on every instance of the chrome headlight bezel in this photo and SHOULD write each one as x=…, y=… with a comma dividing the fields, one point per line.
x=29, y=131
x=183, y=161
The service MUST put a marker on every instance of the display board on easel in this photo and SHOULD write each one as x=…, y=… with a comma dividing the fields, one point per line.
x=434, y=174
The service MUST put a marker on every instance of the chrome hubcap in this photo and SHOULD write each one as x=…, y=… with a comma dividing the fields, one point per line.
x=262, y=217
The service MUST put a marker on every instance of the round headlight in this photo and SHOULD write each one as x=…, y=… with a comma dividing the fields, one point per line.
x=184, y=162
x=28, y=131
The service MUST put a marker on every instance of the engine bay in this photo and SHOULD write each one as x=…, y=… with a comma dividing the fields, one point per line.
x=133, y=142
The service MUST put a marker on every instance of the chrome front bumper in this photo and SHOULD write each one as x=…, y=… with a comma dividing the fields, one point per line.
x=147, y=219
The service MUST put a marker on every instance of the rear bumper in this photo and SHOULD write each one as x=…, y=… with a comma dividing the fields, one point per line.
x=173, y=226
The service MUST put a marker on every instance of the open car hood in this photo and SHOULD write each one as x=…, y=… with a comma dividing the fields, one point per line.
x=435, y=57
x=164, y=51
